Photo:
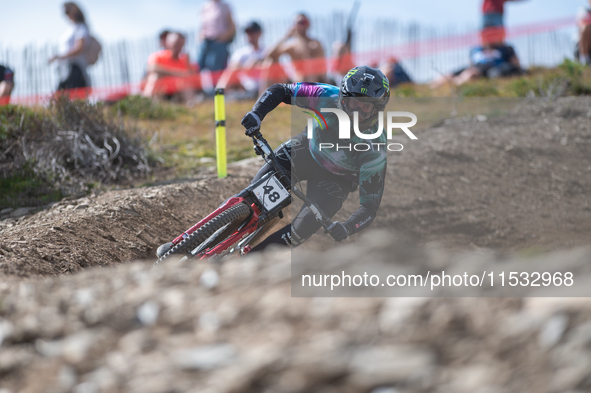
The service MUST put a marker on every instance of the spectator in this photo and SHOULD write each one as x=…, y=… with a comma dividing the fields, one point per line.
x=6, y=84
x=217, y=31
x=583, y=52
x=493, y=59
x=243, y=63
x=395, y=73
x=299, y=47
x=162, y=38
x=169, y=69
x=162, y=41
x=71, y=61
x=493, y=12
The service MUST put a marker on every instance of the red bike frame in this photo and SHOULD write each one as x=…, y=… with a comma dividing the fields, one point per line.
x=246, y=230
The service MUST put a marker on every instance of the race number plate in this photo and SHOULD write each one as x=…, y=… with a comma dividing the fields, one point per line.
x=271, y=193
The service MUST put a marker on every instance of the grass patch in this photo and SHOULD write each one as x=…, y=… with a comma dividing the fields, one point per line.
x=27, y=188
x=569, y=78
x=186, y=143
x=482, y=88
x=143, y=108
x=183, y=139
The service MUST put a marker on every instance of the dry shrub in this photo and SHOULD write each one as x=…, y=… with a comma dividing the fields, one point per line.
x=70, y=145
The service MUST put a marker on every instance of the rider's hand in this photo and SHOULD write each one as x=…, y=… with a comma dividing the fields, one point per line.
x=252, y=123
x=338, y=231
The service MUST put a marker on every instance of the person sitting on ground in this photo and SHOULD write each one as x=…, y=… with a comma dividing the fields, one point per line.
x=169, y=69
x=6, y=84
x=301, y=49
x=162, y=42
x=493, y=59
x=243, y=62
x=162, y=38
x=583, y=53
x=395, y=72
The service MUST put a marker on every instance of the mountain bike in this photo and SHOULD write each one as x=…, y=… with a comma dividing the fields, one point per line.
x=245, y=218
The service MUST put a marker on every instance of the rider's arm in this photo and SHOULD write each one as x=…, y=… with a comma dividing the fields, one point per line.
x=284, y=92
x=281, y=92
x=271, y=98
x=371, y=188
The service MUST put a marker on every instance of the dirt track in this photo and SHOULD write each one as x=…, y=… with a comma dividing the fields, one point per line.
x=521, y=181
x=517, y=183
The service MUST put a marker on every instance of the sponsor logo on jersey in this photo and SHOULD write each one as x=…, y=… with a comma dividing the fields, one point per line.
x=359, y=224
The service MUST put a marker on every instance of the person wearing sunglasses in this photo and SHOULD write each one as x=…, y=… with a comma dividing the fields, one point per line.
x=306, y=53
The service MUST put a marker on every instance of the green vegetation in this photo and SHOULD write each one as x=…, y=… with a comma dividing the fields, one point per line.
x=46, y=154
x=143, y=108
x=569, y=78
x=482, y=88
x=27, y=188
x=186, y=145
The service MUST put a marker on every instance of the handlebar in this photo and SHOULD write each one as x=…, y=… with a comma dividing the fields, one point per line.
x=261, y=147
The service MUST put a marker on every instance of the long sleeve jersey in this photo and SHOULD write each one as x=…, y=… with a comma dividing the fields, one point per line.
x=366, y=167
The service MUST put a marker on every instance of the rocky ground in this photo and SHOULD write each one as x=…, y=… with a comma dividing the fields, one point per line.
x=505, y=185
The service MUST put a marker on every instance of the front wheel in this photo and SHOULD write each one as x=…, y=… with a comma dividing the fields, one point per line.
x=222, y=226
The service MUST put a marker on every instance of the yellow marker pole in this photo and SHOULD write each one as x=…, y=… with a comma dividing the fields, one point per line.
x=220, y=133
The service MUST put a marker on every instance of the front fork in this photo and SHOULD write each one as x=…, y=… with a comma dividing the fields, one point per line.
x=223, y=207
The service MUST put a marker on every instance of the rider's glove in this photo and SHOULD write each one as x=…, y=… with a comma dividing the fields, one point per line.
x=252, y=122
x=338, y=231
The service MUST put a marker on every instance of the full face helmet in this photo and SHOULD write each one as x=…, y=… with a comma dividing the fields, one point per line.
x=364, y=90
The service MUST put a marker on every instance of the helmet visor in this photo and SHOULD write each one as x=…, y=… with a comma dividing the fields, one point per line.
x=366, y=107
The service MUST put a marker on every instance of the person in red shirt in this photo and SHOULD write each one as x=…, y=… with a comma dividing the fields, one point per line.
x=169, y=69
x=493, y=12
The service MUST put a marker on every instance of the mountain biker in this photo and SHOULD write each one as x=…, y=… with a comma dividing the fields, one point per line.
x=331, y=174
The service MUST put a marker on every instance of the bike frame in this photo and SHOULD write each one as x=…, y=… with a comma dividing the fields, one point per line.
x=260, y=215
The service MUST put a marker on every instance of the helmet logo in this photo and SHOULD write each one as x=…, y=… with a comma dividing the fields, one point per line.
x=363, y=90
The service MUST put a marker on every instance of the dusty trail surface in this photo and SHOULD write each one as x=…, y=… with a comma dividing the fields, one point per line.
x=512, y=182
x=517, y=183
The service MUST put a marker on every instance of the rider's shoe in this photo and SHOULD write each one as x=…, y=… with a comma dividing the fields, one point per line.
x=163, y=249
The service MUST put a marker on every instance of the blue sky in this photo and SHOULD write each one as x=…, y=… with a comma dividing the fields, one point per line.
x=36, y=21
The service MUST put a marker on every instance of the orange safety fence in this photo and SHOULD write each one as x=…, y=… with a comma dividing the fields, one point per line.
x=315, y=68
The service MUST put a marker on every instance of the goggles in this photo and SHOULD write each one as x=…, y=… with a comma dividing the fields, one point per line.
x=365, y=107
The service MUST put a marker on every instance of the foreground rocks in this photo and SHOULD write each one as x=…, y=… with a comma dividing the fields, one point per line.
x=515, y=184
x=234, y=328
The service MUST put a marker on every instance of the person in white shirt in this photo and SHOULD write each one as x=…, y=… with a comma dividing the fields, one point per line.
x=71, y=61
x=241, y=71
